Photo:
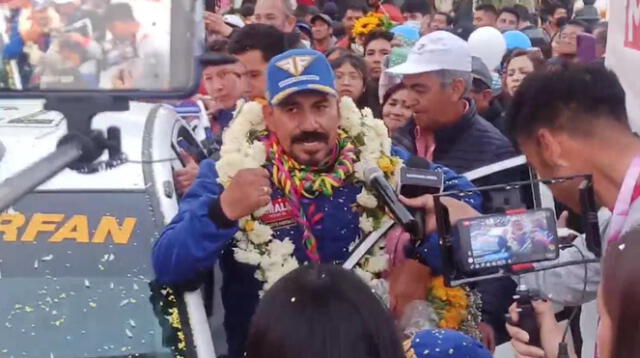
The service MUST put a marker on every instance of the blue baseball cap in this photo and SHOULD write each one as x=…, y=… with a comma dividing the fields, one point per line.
x=444, y=343
x=299, y=70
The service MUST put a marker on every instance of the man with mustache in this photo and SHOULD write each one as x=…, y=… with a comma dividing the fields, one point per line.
x=305, y=148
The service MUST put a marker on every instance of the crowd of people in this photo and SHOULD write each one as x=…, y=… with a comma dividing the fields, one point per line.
x=292, y=94
x=84, y=44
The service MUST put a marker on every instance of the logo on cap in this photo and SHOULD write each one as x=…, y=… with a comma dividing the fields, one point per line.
x=296, y=65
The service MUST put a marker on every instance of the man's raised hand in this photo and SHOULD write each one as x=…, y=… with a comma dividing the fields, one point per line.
x=250, y=190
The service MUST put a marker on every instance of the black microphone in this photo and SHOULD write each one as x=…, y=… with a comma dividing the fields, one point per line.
x=375, y=179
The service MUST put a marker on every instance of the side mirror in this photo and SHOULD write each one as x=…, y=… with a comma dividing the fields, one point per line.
x=132, y=48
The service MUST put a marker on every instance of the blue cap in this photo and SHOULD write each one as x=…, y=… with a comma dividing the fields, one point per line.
x=299, y=70
x=445, y=343
x=517, y=39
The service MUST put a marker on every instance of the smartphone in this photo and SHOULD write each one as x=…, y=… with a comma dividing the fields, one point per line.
x=502, y=240
x=586, y=48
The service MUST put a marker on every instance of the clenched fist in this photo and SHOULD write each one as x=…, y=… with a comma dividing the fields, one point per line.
x=250, y=189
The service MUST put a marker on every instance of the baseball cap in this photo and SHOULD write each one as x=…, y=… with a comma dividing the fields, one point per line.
x=439, y=50
x=324, y=17
x=299, y=70
x=480, y=71
x=445, y=343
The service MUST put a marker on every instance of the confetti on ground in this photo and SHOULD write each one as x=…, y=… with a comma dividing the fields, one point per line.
x=128, y=332
x=111, y=285
x=47, y=258
x=101, y=267
x=87, y=284
x=135, y=287
x=112, y=257
x=35, y=264
x=124, y=302
x=28, y=309
x=93, y=304
x=132, y=323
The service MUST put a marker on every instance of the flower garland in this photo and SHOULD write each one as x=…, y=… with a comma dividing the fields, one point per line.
x=455, y=307
x=364, y=142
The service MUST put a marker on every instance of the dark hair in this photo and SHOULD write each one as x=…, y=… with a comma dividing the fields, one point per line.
x=320, y=311
x=555, y=7
x=264, y=38
x=447, y=16
x=543, y=45
x=356, y=5
x=487, y=8
x=572, y=98
x=391, y=91
x=510, y=10
x=621, y=291
x=218, y=44
x=376, y=35
x=358, y=63
x=331, y=9
x=216, y=59
x=118, y=12
x=579, y=23
x=601, y=36
x=523, y=12
x=412, y=6
x=247, y=10
x=533, y=56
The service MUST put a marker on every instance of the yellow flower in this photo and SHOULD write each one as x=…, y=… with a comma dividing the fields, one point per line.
x=452, y=319
x=249, y=226
x=386, y=165
x=457, y=297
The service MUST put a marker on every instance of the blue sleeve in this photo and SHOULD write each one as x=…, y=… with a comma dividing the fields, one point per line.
x=192, y=242
x=15, y=47
x=430, y=251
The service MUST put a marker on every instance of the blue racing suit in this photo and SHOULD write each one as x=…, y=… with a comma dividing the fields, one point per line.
x=199, y=235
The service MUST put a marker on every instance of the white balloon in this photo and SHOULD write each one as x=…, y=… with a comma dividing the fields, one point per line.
x=488, y=44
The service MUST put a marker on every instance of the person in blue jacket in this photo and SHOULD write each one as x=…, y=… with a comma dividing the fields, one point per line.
x=303, y=114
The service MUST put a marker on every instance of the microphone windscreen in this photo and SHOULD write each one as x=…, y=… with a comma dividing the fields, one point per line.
x=370, y=173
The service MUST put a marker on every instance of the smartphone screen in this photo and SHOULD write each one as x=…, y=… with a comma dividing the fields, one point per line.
x=503, y=240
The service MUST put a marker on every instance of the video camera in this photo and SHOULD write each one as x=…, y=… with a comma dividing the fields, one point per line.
x=507, y=244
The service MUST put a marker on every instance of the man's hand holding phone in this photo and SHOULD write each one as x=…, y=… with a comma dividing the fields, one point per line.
x=215, y=24
x=457, y=209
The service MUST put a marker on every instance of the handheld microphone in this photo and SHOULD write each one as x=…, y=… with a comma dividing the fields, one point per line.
x=375, y=179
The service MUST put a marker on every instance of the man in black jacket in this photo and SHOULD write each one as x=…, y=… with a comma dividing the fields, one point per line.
x=448, y=131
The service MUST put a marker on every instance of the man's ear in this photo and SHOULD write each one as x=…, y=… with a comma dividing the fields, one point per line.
x=267, y=113
x=457, y=89
x=290, y=23
x=550, y=149
x=487, y=95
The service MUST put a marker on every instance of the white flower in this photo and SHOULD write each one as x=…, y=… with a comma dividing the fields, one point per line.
x=380, y=129
x=229, y=165
x=273, y=275
x=282, y=248
x=377, y=264
x=256, y=155
x=261, y=234
x=252, y=114
x=366, y=199
x=359, y=168
x=364, y=275
x=247, y=257
x=263, y=210
x=350, y=116
x=366, y=224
